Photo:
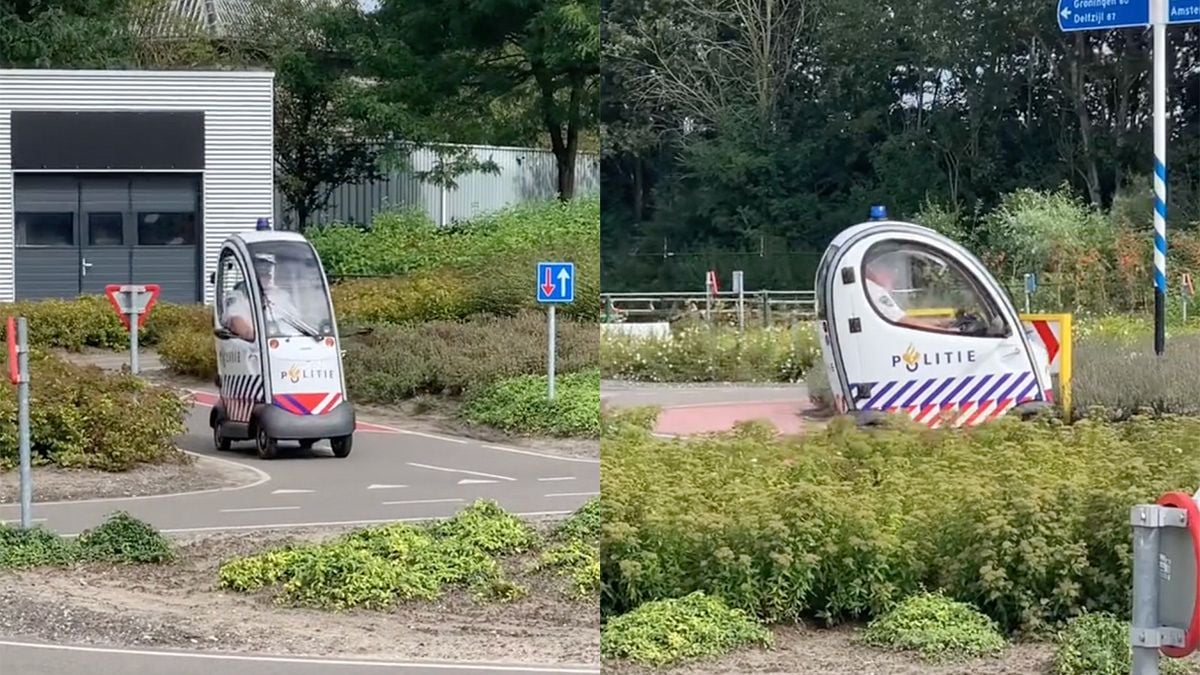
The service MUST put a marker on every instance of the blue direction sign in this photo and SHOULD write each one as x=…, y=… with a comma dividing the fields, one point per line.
x=555, y=282
x=1183, y=11
x=1074, y=15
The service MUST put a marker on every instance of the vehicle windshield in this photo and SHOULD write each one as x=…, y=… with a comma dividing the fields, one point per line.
x=296, y=302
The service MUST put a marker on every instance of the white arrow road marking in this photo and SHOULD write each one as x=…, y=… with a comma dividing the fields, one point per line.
x=572, y=494
x=473, y=473
x=472, y=481
x=377, y=486
x=261, y=508
x=558, y=478
x=422, y=501
x=287, y=491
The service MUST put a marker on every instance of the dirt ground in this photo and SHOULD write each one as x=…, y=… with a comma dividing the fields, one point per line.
x=178, y=606
x=188, y=474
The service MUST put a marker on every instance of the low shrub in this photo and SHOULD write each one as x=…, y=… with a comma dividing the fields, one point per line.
x=428, y=295
x=394, y=363
x=663, y=632
x=936, y=627
x=189, y=352
x=90, y=321
x=1118, y=377
x=697, y=353
x=80, y=416
x=1026, y=521
x=583, y=525
x=123, y=538
x=576, y=556
x=520, y=405
x=120, y=539
x=373, y=568
x=1098, y=644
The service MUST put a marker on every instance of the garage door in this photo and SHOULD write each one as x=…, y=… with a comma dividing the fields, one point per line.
x=77, y=234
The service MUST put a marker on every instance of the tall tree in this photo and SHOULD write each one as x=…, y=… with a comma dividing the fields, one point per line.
x=476, y=65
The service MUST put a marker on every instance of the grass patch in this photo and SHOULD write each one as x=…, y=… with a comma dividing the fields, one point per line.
x=664, y=632
x=1098, y=644
x=120, y=539
x=377, y=567
x=937, y=628
x=520, y=405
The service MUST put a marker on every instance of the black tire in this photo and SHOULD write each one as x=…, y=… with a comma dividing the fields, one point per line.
x=221, y=443
x=267, y=447
x=342, y=445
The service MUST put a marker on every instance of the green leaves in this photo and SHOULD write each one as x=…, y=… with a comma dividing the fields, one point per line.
x=936, y=627
x=121, y=538
x=664, y=632
x=520, y=405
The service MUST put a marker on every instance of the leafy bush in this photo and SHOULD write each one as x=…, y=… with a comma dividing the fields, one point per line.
x=89, y=321
x=1098, y=644
x=577, y=555
x=375, y=567
x=937, y=628
x=667, y=631
x=427, y=295
x=80, y=417
x=121, y=538
x=394, y=363
x=702, y=354
x=189, y=352
x=1027, y=521
x=583, y=525
x=520, y=405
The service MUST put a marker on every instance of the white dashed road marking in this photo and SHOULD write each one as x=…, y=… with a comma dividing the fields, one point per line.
x=423, y=501
x=558, y=478
x=286, y=491
x=261, y=508
x=572, y=494
x=377, y=486
x=472, y=473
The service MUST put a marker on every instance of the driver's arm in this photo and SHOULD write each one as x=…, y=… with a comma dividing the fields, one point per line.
x=239, y=319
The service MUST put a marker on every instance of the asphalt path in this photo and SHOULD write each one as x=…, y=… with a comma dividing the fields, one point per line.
x=38, y=659
x=392, y=474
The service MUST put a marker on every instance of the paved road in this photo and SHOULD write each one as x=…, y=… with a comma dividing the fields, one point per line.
x=391, y=475
x=33, y=659
x=703, y=408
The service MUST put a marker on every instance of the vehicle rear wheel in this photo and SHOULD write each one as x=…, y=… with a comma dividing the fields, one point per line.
x=341, y=445
x=267, y=447
x=221, y=443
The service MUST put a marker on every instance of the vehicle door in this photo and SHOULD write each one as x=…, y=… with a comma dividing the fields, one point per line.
x=239, y=360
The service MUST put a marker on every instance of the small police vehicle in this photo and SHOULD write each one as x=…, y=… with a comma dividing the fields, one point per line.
x=912, y=323
x=279, y=355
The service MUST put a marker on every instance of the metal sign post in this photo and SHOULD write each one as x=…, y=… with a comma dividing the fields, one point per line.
x=1076, y=15
x=18, y=373
x=1188, y=292
x=739, y=288
x=555, y=286
x=133, y=304
x=1030, y=288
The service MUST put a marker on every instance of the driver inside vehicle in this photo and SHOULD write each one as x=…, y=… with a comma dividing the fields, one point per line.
x=881, y=288
x=276, y=303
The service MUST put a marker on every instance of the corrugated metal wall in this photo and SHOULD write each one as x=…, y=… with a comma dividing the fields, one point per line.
x=238, y=145
x=526, y=174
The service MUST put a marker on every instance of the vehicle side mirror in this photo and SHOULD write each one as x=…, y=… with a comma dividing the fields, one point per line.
x=223, y=333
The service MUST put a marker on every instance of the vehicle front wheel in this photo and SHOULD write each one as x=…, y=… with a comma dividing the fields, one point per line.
x=221, y=443
x=267, y=447
x=341, y=445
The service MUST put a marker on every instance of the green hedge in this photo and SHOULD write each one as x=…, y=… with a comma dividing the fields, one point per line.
x=1027, y=521
x=121, y=538
x=520, y=405
x=85, y=417
x=90, y=321
x=698, y=353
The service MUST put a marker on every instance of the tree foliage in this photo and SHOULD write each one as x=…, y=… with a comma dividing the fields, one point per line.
x=760, y=128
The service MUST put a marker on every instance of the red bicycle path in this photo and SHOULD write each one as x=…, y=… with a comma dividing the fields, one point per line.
x=716, y=408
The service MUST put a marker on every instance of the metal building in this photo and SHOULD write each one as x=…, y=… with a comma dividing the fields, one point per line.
x=121, y=176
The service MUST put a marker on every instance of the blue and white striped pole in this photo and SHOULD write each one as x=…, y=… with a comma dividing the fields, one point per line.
x=1158, y=14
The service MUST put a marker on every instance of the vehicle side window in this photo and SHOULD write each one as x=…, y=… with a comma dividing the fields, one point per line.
x=231, y=288
x=919, y=287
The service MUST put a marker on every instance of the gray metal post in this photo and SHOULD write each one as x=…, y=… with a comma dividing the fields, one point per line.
x=1145, y=589
x=23, y=422
x=550, y=355
x=133, y=332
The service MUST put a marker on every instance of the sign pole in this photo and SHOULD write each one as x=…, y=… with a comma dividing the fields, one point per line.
x=550, y=355
x=1145, y=589
x=23, y=422
x=133, y=331
x=1158, y=16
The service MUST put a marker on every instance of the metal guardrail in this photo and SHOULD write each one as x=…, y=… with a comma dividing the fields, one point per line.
x=765, y=307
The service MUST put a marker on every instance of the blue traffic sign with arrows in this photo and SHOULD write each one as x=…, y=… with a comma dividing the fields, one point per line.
x=555, y=282
x=1076, y=15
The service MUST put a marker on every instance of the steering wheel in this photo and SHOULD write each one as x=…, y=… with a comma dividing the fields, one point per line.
x=969, y=324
